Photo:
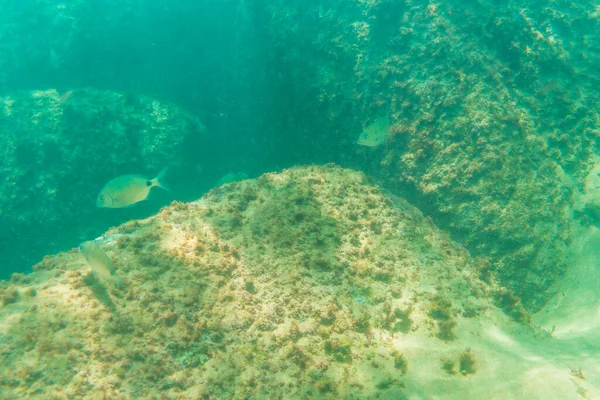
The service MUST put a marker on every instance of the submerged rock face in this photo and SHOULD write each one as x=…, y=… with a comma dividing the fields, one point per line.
x=489, y=108
x=58, y=149
x=310, y=282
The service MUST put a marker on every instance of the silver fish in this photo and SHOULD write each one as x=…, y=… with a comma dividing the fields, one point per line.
x=127, y=190
x=375, y=133
x=101, y=264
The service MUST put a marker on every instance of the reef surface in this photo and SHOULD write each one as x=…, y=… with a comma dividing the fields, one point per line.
x=309, y=283
x=489, y=109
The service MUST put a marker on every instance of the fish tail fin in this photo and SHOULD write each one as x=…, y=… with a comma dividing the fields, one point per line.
x=160, y=180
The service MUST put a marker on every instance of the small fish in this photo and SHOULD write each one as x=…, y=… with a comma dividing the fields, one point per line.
x=65, y=96
x=127, y=190
x=376, y=133
x=232, y=177
x=101, y=265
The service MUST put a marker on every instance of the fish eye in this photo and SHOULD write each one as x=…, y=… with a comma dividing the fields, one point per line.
x=101, y=198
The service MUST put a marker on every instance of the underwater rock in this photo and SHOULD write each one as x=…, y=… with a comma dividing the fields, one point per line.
x=57, y=150
x=252, y=292
x=486, y=105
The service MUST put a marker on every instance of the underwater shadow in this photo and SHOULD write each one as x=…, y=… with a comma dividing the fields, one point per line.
x=100, y=293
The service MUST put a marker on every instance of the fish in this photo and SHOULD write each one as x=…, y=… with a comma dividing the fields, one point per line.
x=127, y=190
x=65, y=96
x=232, y=177
x=375, y=133
x=101, y=264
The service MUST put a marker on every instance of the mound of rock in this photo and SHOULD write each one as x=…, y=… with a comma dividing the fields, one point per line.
x=306, y=283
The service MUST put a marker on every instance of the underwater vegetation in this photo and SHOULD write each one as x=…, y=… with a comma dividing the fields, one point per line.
x=222, y=300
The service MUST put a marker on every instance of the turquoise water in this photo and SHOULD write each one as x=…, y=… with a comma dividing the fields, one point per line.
x=482, y=114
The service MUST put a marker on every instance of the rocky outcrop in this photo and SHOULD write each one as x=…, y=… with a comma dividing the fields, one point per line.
x=311, y=282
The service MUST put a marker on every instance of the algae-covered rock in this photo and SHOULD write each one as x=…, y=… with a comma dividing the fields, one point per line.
x=309, y=283
x=57, y=150
x=489, y=108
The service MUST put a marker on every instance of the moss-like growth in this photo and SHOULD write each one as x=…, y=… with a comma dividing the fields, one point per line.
x=10, y=296
x=362, y=320
x=325, y=385
x=340, y=347
x=250, y=288
x=445, y=329
x=441, y=309
x=443, y=313
x=448, y=365
x=467, y=364
x=169, y=318
x=387, y=383
x=589, y=215
x=511, y=305
x=120, y=325
x=404, y=323
x=299, y=357
x=20, y=278
x=401, y=363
